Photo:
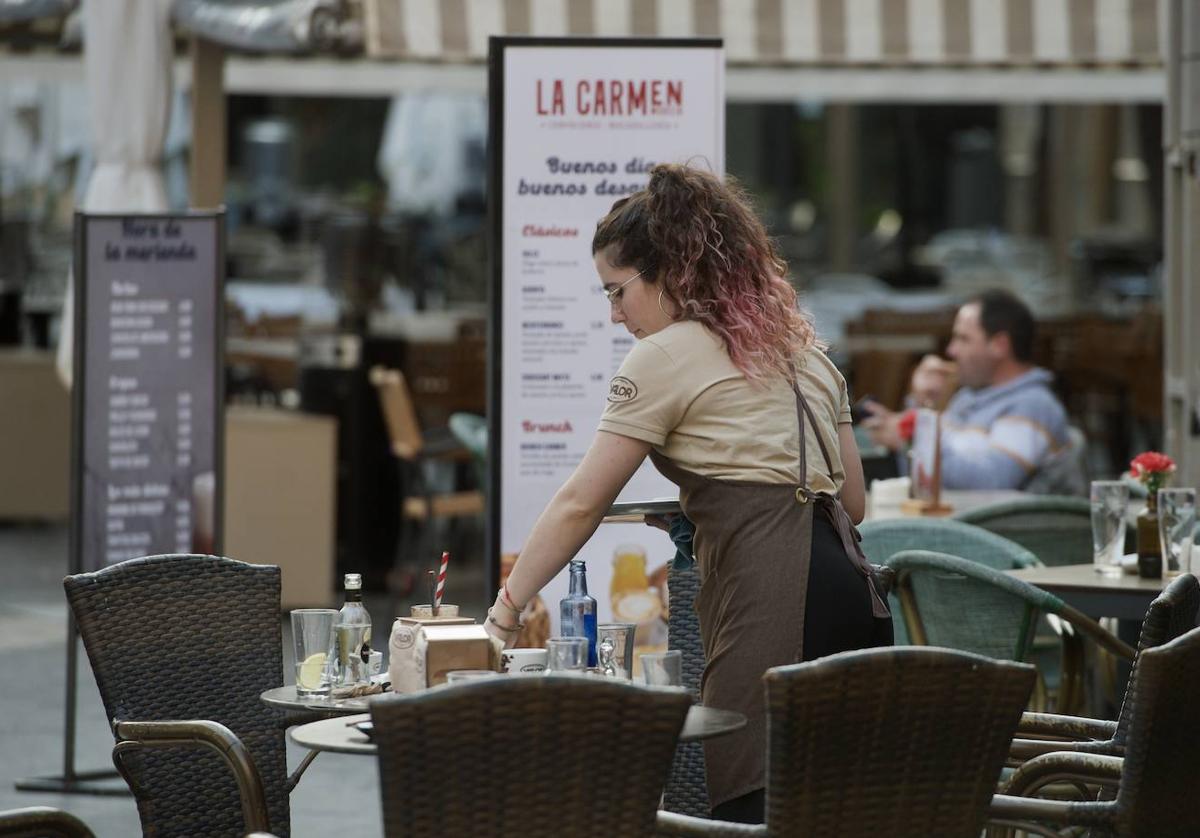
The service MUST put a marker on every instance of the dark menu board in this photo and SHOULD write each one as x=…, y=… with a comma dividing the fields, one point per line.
x=147, y=428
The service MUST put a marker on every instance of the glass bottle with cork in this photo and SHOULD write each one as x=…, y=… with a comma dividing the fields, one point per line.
x=352, y=636
x=577, y=610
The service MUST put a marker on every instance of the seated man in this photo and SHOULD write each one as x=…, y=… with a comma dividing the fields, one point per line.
x=1004, y=424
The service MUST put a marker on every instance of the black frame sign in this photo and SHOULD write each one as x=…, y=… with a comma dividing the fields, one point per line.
x=148, y=412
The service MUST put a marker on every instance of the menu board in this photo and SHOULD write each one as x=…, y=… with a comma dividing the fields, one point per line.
x=147, y=430
x=577, y=124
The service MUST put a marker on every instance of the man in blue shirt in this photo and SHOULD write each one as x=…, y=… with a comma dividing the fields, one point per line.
x=1004, y=427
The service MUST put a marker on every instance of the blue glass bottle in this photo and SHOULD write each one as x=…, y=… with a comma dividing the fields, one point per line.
x=577, y=611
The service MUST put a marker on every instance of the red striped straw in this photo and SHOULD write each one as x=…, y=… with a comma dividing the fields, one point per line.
x=441, y=583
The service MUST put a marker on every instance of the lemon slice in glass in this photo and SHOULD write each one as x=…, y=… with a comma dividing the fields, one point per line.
x=309, y=676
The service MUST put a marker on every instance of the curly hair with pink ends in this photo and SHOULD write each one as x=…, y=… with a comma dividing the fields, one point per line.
x=701, y=239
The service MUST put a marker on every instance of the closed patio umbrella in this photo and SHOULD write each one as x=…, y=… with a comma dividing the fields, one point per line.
x=128, y=54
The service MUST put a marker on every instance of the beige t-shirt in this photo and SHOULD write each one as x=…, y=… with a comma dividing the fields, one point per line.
x=678, y=390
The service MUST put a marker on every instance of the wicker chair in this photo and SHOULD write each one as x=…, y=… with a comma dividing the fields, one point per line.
x=686, y=791
x=1172, y=614
x=883, y=539
x=178, y=638
x=958, y=604
x=526, y=757
x=1156, y=781
x=1055, y=528
x=42, y=822
x=897, y=742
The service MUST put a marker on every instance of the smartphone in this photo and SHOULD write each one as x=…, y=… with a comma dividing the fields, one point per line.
x=858, y=410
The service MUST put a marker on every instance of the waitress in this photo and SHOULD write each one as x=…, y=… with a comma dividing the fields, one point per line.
x=729, y=394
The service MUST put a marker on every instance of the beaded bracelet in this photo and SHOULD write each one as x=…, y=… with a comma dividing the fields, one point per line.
x=518, y=627
x=507, y=601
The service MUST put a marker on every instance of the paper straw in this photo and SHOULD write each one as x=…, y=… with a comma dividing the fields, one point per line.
x=441, y=582
x=431, y=581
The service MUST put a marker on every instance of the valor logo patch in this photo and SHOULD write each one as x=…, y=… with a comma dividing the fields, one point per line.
x=621, y=389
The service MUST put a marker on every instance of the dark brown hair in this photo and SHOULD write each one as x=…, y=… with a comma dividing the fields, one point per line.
x=1002, y=311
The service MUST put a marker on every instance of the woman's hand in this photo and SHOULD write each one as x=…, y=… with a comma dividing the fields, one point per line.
x=503, y=621
x=661, y=522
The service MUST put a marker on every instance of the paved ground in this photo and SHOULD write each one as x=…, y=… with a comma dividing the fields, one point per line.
x=339, y=794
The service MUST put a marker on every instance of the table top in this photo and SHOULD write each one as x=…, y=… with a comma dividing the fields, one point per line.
x=1098, y=595
x=340, y=736
x=1085, y=577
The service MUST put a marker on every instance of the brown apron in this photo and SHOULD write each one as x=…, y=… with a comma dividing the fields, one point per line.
x=753, y=546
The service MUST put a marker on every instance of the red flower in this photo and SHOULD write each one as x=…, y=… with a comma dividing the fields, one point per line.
x=907, y=425
x=1151, y=465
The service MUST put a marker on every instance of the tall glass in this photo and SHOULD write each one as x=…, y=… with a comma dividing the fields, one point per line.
x=1109, y=498
x=312, y=636
x=1177, y=528
x=664, y=669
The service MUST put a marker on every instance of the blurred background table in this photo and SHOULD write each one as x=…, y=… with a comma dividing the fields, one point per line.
x=959, y=500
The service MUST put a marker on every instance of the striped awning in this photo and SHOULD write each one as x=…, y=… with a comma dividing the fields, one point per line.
x=819, y=33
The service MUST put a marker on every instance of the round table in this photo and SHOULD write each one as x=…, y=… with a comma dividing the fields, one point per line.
x=341, y=736
x=285, y=698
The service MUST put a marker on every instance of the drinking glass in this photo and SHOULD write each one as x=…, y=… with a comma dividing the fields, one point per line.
x=312, y=638
x=1109, y=501
x=1176, y=528
x=566, y=655
x=620, y=655
x=664, y=669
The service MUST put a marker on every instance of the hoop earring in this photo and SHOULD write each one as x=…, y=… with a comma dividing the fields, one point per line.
x=661, y=291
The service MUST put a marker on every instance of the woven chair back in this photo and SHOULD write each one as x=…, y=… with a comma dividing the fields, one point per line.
x=898, y=742
x=1172, y=614
x=883, y=539
x=1055, y=528
x=1162, y=752
x=686, y=792
x=182, y=637
x=526, y=757
x=966, y=606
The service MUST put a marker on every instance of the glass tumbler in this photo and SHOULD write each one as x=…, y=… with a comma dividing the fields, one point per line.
x=312, y=638
x=1109, y=500
x=1177, y=528
x=663, y=669
x=566, y=655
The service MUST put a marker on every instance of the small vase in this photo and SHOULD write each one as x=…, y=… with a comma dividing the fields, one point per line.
x=1149, y=548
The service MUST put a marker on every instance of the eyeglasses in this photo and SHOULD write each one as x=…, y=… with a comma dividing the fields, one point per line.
x=614, y=294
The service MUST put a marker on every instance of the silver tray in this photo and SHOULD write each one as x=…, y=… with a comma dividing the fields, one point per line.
x=659, y=506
